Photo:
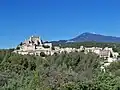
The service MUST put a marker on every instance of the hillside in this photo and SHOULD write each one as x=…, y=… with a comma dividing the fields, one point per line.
x=73, y=71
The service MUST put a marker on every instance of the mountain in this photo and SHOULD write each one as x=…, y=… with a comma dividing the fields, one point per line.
x=86, y=37
x=58, y=42
x=95, y=37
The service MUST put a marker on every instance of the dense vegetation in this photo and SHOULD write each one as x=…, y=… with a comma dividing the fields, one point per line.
x=73, y=71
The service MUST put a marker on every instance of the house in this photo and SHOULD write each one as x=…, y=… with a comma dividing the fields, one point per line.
x=105, y=54
x=96, y=50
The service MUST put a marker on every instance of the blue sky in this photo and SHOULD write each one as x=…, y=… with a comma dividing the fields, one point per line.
x=56, y=19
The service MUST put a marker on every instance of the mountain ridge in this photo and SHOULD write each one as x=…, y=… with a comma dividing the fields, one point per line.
x=95, y=37
x=87, y=36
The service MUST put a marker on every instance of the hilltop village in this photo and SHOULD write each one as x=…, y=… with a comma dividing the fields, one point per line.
x=35, y=46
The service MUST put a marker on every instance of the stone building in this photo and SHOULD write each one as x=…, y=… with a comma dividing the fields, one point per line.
x=34, y=46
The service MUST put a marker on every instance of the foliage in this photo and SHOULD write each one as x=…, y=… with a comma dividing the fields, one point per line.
x=73, y=71
x=46, y=46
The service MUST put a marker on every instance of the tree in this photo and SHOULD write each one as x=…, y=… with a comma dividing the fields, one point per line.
x=42, y=54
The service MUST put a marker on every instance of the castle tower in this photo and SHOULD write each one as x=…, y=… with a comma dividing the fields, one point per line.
x=36, y=40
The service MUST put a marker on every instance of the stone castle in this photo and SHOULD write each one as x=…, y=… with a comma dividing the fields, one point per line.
x=34, y=46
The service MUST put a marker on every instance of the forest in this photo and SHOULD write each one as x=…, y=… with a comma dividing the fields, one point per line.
x=73, y=71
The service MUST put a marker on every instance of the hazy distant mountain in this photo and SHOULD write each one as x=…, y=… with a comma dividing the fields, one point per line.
x=95, y=37
x=59, y=42
x=90, y=37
